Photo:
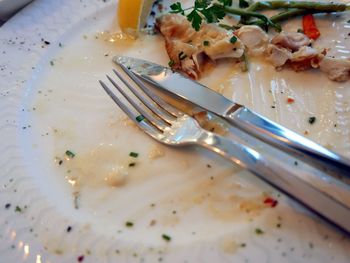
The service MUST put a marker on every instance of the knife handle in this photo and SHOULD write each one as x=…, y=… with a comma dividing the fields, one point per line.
x=283, y=177
x=289, y=141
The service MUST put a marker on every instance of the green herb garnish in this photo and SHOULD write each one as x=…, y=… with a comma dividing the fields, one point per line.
x=201, y=8
x=206, y=43
x=140, y=118
x=233, y=39
x=258, y=231
x=166, y=237
x=133, y=154
x=245, y=66
x=171, y=63
x=70, y=154
x=129, y=224
x=214, y=11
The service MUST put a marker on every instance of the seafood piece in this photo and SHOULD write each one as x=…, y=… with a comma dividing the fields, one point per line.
x=190, y=50
x=337, y=69
x=278, y=56
x=254, y=38
x=306, y=58
x=292, y=41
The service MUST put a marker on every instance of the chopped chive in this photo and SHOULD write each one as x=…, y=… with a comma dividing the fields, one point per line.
x=18, y=209
x=140, y=118
x=70, y=154
x=132, y=164
x=300, y=31
x=166, y=237
x=129, y=224
x=182, y=55
x=244, y=63
x=133, y=154
x=312, y=120
x=206, y=43
x=258, y=231
x=171, y=63
x=52, y=63
x=233, y=39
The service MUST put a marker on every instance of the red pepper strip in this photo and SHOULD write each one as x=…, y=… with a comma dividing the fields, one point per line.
x=310, y=28
x=270, y=202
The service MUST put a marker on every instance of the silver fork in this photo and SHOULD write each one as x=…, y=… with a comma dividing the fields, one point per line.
x=170, y=126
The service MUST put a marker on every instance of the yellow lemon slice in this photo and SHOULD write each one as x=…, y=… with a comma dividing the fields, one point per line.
x=133, y=14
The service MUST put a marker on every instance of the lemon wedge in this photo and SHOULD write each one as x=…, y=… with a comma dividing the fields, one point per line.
x=133, y=14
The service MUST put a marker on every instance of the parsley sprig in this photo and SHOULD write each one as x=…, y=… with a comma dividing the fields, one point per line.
x=214, y=11
x=201, y=9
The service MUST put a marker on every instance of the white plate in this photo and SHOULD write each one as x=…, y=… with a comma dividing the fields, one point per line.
x=51, y=102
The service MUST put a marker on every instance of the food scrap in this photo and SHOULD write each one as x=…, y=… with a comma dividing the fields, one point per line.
x=166, y=237
x=271, y=202
x=195, y=40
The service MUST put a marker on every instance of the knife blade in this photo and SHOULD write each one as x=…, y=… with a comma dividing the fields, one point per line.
x=245, y=119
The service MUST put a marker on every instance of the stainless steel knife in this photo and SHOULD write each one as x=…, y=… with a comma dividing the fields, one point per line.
x=237, y=115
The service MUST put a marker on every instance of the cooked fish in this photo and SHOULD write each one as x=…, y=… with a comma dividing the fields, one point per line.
x=292, y=41
x=254, y=38
x=336, y=69
x=278, y=56
x=190, y=50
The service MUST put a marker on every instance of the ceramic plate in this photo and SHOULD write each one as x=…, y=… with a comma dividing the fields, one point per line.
x=71, y=192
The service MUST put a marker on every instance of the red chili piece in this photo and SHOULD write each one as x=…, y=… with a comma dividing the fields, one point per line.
x=310, y=28
x=290, y=100
x=271, y=202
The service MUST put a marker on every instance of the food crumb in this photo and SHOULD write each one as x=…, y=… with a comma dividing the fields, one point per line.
x=312, y=120
x=259, y=231
x=156, y=152
x=129, y=224
x=166, y=237
x=290, y=100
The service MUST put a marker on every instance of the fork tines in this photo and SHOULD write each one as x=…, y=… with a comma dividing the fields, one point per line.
x=159, y=115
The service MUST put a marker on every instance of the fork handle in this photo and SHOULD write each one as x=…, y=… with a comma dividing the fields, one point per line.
x=284, y=179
